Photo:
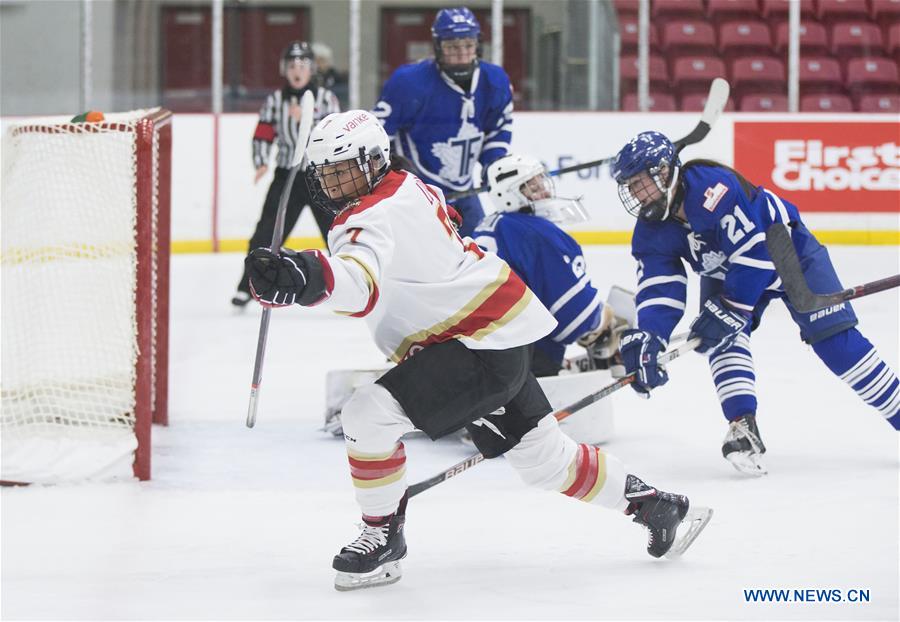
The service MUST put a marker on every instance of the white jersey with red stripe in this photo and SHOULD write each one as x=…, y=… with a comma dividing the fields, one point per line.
x=397, y=261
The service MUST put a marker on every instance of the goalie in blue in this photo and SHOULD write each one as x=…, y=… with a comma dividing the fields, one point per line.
x=525, y=232
x=448, y=113
x=709, y=217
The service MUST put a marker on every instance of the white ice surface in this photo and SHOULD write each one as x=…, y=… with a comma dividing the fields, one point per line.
x=242, y=524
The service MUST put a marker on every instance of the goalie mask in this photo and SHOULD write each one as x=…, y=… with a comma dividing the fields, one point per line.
x=456, y=35
x=647, y=171
x=521, y=184
x=348, y=154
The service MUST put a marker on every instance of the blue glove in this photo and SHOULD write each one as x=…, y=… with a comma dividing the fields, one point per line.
x=276, y=279
x=640, y=351
x=717, y=326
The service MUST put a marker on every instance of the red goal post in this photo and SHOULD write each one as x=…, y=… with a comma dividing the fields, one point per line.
x=85, y=260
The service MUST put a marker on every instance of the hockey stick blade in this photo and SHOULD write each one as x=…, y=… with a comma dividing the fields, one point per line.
x=802, y=298
x=561, y=414
x=716, y=100
x=307, y=107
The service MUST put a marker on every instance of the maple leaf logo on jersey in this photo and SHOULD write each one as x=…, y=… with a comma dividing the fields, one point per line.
x=459, y=153
x=712, y=262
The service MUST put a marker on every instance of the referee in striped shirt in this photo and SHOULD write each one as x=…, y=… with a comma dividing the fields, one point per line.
x=279, y=122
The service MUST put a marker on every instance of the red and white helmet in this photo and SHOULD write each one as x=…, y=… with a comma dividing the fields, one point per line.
x=520, y=183
x=356, y=137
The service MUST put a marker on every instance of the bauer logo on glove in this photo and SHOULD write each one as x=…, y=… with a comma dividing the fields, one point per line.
x=717, y=326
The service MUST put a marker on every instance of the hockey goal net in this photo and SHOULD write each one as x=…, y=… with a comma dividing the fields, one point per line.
x=85, y=265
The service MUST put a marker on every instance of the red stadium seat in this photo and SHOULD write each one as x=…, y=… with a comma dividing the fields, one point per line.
x=764, y=102
x=852, y=39
x=820, y=74
x=659, y=102
x=886, y=12
x=879, y=103
x=777, y=10
x=720, y=11
x=677, y=9
x=893, y=42
x=824, y=102
x=628, y=35
x=872, y=75
x=832, y=11
x=693, y=74
x=744, y=38
x=628, y=73
x=813, y=38
x=694, y=102
x=694, y=37
x=759, y=75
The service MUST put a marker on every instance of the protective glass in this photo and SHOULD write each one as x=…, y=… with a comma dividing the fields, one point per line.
x=560, y=210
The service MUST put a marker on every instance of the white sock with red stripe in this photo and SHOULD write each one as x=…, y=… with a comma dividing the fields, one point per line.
x=548, y=459
x=373, y=424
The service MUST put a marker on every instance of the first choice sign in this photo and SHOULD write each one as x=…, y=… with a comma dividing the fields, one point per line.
x=823, y=166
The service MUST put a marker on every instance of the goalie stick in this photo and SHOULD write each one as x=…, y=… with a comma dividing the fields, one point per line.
x=307, y=107
x=715, y=104
x=474, y=459
x=787, y=264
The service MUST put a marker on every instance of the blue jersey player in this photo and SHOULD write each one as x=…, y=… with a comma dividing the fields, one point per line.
x=709, y=217
x=447, y=114
x=525, y=233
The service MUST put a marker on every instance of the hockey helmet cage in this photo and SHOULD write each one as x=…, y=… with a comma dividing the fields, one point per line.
x=458, y=23
x=354, y=136
x=520, y=183
x=648, y=165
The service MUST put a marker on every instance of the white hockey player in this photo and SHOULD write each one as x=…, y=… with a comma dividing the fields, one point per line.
x=457, y=321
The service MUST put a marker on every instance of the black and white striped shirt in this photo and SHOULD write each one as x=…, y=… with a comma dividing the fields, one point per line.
x=277, y=126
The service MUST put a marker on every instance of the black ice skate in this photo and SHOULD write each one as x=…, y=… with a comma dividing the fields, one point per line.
x=374, y=557
x=662, y=513
x=743, y=446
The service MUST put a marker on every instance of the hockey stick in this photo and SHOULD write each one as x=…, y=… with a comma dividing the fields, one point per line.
x=307, y=107
x=584, y=402
x=715, y=104
x=582, y=362
x=787, y=264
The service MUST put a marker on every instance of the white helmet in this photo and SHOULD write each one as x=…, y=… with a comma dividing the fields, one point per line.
x=521, y=184
x=356, y=137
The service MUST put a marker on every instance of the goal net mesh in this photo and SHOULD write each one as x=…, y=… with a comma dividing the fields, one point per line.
x=70, y=303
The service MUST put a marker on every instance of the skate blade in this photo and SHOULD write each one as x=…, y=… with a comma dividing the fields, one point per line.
x=690, y=527
x=747, y=463
x=385, y=574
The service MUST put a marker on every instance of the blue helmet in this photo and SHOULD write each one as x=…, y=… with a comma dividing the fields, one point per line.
x=456, y=24
x=647, y=196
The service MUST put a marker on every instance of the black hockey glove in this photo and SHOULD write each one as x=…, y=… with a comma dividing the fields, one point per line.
x=640, y=351
x=717, y=326
x=276, y=280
